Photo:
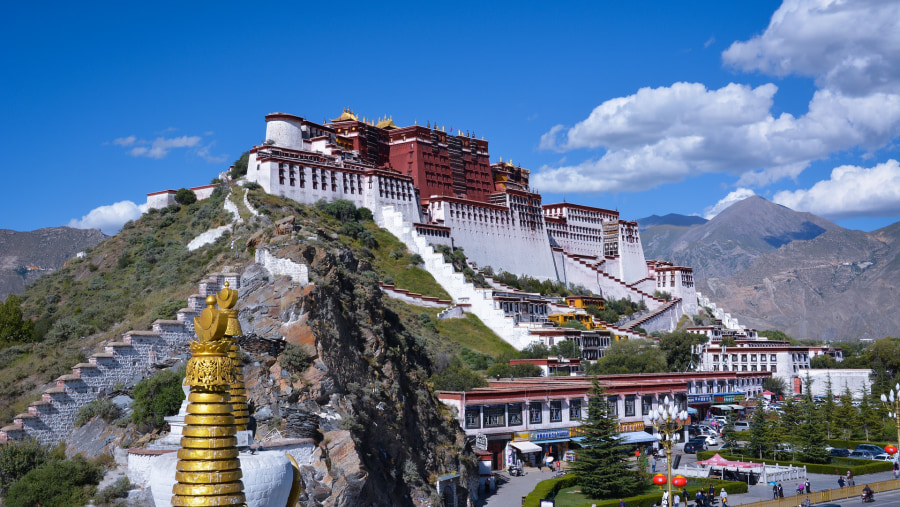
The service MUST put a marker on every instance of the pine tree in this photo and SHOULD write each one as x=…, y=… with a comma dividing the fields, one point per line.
x=870, y=421
x=847, y=414
x=760, y=440
x=729, y=436
x=787, y=423
x=828, y=409
x=810, y=433
x=601, y=469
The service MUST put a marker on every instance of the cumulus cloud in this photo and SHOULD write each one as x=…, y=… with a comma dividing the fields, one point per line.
x=733, y=197
x=125, y=141
x=160, y=147
x=109, y=218
x=851, y=191
x=667, y=134
x=849, y=46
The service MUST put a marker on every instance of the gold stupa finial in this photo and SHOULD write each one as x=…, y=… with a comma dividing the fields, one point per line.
x=228, y=298
x=208, y=471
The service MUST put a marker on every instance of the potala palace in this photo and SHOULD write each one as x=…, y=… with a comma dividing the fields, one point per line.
x=431, y=187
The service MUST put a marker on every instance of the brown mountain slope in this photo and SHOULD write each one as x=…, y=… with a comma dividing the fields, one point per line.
x=774, y=268
x=46, y=249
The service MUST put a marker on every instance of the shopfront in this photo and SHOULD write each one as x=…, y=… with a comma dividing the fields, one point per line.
x=533, y=447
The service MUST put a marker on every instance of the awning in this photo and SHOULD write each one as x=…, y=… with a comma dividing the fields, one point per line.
x=738, y=407
x=724, y=407
x=691, y=410
x=526, y=446
x=551, y=441
x=636, y=437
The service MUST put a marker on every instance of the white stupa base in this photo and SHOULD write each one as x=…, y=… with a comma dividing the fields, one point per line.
x=268, y=476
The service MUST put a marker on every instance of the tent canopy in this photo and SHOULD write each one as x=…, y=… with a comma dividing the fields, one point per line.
x=526, y=446
x=636, y=437
x=719, y=461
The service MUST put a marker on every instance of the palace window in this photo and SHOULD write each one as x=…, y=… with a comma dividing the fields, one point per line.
x=612, y=402
x=514, y=410
x=646, y=405
x=556, y=411
x=534, y=412
x=494, y=416
x=574, y=409
x=473, y=417
x=629, y=406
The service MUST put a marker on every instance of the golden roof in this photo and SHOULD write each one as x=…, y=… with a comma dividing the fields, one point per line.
x=387, y=123
x=347, y=114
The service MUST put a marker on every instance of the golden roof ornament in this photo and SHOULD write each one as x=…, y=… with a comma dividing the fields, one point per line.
x=228, y=298
x=208, y=471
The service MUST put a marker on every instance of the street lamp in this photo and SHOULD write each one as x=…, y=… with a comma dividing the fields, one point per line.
x=667, y=421
x=892, y=403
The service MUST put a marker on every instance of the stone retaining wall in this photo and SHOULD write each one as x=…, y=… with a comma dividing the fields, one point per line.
x=121, y=363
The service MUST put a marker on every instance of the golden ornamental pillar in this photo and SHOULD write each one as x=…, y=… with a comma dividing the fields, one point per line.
x=208, y=472
x=227, y=299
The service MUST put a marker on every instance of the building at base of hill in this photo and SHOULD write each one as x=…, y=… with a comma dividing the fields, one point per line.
x=527, y=419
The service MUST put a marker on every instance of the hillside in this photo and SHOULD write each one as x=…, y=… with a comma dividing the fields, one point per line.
x=365, y=394
x=44, y=251
x=774, y=268
x=670, y=219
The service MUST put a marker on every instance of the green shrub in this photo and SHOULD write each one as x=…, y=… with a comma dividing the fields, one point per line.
x=185, y=196
x=252, y=185
x=157, y=397
x=550, y=488
x=17, y=459
x=294, y=359
x=59, y=483
x=109, y=494
x=104, y=409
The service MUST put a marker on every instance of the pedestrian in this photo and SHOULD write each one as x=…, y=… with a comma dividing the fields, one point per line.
x=806, y=485
x=774, y=491
x=685, y=495
x=799, y=488
x=676, y=500
x=841, y=481
x=896, y=470
x=780, y=491
x=665, y=498
x=699, y=498
x=712, y=493
x=653, y=466
x=621, y=503
x=723, y=497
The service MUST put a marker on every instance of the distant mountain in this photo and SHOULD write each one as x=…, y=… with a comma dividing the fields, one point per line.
x=774, y=268
x=732, y=240
x=670, y=219
x=24, y=256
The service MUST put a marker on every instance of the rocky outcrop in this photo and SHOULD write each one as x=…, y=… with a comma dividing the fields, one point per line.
x=381, y=434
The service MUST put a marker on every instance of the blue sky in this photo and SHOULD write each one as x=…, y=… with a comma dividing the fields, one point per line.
x=644, y=107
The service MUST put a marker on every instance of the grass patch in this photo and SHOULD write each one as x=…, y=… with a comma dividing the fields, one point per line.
x=399, y=269
x=470, y=332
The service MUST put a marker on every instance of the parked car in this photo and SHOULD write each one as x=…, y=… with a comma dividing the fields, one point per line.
x=874, y=449
x=862, y=454
x=839, y=452
x=885, y=457
x=708, y=439
x=741, y=426
x=693, y=446
x=701, y=441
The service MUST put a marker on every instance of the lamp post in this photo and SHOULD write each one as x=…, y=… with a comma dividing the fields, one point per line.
x=668, y=421
x=892, y=403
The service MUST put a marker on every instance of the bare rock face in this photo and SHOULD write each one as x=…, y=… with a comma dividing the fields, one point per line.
x=381, y=434
x=24, y=256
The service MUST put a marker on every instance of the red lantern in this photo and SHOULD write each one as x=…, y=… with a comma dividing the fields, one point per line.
x=659, y=479
x=890, y=449
x=679, y=481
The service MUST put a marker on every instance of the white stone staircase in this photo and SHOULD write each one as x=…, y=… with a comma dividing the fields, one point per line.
x=462, y=292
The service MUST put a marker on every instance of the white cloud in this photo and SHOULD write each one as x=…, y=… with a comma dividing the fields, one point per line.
x=848, y=46
x=109, y=218
x=852, y=191
x=733, y=197
x=204, y=153
x=668, y=134
x=709, y=42
x=125, y=141
x=161, y=146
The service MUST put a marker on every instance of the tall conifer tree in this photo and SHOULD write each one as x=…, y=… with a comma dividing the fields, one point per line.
x=601, y=468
